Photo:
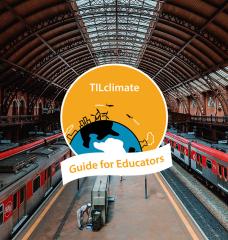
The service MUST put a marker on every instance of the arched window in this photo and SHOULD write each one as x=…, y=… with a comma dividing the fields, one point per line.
x=211, y=102
x=40, y=109
x=22, y=108
x=219, y=106
x=193, y=103
x=15, y=108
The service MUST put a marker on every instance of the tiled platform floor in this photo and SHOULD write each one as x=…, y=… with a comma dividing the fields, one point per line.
x=131, y=216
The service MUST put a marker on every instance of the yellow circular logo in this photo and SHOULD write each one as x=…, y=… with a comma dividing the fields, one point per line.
x=113, y=101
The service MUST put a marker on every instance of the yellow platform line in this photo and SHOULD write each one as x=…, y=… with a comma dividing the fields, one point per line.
x=177, y=208
x=41, y=216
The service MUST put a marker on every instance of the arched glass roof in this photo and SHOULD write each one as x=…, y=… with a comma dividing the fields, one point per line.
x=118, y=29
x=46, y=44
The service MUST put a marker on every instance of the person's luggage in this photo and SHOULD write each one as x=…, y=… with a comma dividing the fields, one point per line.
x=96, y=220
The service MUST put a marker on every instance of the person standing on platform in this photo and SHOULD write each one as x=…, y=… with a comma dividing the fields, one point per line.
x=80, y=214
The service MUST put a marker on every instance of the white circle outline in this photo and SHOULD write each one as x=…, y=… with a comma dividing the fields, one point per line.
x=114, y=64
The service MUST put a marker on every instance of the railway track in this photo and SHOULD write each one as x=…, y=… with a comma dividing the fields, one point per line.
x=208, y=224
x=211, y=199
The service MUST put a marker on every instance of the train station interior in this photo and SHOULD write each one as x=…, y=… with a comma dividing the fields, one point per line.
x=45, y=45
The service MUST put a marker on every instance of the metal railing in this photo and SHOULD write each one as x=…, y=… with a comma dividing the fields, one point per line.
x=181, y=117
x=18, y=119
x=209, y=119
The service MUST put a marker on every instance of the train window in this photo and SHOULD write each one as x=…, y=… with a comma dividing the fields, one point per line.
x=182, y=149
x=225, y=173
x=1, y=214
x=209, y=164
x=14, y=201
x=36, y=184
x=49, y=172
x=176, y=146
x=57, y=166
x=199, y=159
x=22, y=195
x=220, y=170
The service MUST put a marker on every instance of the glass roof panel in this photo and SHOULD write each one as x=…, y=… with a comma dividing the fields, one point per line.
x=119, y=25
x=223, y=74
x=219, y=77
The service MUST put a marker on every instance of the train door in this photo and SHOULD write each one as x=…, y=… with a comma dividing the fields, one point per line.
x=22, y=203
x=19, y=205
x=172, y=146
x=199, y=163
x=189, y=155
x=222, y=177
x=182, y=152
x=48, y=178
x=15, y=209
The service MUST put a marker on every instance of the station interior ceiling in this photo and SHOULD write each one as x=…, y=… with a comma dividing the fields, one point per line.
x=45, y=45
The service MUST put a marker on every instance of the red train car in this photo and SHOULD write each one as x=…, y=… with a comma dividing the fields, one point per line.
x=29, y=146
x=210, y=163
x=25, y=180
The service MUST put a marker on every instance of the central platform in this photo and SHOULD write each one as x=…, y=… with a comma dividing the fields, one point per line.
x=131, y=216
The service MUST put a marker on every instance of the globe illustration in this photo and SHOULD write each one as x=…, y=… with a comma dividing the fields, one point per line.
x=101, y=131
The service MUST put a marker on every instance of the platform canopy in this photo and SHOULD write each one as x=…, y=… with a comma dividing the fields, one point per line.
x=46, y=44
